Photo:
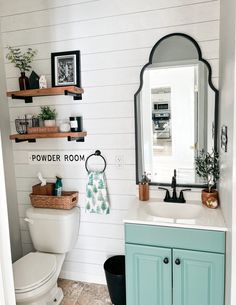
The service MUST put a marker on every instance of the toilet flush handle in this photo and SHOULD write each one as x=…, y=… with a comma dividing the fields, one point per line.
x=29, y=220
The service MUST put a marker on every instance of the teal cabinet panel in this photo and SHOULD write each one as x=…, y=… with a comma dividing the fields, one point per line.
x=148, y=276
x=198, y=278
x=182, y=238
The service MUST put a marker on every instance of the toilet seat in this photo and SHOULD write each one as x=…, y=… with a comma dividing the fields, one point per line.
x=33, y=270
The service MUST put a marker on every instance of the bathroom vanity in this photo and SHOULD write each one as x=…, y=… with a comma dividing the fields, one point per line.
x=172, y=260
x=175, y=252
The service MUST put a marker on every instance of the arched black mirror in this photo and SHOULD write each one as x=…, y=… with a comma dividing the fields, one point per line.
x=176, y=109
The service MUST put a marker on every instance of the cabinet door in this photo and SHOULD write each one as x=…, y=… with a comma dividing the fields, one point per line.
x=198, y=278
x=148, y=275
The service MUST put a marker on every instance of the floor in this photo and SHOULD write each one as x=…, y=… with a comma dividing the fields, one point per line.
x=80, y=293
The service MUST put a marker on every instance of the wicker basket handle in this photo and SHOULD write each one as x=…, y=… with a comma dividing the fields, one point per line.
x=74, y=197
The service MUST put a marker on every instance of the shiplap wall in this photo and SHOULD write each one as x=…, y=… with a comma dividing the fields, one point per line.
x=115, y=38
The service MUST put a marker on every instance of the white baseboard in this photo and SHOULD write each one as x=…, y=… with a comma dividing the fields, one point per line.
x=83, y=277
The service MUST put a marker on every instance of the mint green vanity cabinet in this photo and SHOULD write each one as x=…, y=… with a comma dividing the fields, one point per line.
x=165, y=267
x=148, y=277
x=198, y=278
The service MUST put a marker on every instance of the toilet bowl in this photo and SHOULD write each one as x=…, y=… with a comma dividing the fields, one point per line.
x=35, y=278
x=36, y=274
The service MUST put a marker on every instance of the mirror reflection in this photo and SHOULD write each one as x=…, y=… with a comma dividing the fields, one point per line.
x=175, y=113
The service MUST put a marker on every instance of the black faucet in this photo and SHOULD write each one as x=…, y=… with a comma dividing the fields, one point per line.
x=174, y=197
x=173, y=185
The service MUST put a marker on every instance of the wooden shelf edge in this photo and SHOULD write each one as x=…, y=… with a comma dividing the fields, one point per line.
x=46, y=91
x=55, y=135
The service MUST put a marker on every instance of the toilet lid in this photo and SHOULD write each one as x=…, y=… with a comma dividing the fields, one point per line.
x=32, y=270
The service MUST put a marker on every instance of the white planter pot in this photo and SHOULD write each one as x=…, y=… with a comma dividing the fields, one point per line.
x=49, y=123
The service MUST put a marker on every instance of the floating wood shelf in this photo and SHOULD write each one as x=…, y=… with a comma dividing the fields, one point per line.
x=71, y=136
x=28, y=95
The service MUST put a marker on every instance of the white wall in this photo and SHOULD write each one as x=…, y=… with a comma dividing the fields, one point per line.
x=7, y=295
x=227, y=117
x=115, y=39
x=9, y=167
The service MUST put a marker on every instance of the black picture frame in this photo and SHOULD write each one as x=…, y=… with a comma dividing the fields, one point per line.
x=69, y=72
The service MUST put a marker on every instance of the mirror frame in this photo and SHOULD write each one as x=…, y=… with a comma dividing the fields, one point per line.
x=138, y=159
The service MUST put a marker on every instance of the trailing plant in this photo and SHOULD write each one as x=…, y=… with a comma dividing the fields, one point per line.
x=207, y=167
x=47, y=113
x=21, y=60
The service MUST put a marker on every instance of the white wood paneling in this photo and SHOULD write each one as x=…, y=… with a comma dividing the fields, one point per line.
x=88, y=10
x=11, y=7
x=111, y=59
x=83, y=272
x=116, y=187
x=205, y=33
x=72, y=172
x=115, y=39
x=118, y=141
x=101, y=111
x=122, y=23
x=86, y=256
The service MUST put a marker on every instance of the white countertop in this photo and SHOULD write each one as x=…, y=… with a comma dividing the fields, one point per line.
x=208, y=219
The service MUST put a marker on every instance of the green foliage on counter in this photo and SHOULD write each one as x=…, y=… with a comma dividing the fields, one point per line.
x=207, y=167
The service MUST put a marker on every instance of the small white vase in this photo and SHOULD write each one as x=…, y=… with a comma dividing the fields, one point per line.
x=49, y=123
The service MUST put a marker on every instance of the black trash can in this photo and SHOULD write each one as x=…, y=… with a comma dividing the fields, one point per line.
x=115, y=275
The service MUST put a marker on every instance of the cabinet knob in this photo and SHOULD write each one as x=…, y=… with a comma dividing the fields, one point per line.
x=177, y=261
x=166, y=260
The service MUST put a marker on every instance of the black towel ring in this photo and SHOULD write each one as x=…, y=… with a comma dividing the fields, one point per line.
x=97, y=153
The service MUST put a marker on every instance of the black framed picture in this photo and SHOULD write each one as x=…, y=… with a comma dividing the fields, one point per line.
x=65, y=69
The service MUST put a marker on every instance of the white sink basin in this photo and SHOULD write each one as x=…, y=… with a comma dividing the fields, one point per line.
x=176, y=211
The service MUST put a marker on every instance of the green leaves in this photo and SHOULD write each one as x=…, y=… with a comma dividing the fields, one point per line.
x=207, y=167
x=47, y=113
x=21, y=60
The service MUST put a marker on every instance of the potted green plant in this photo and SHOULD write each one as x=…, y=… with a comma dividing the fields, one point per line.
x=207, y=167
x=22, y=61
x=48, y=116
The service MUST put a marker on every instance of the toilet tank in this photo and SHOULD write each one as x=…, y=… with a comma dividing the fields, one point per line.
x=52, y=230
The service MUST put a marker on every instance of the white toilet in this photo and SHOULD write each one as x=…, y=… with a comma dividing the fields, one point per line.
x=54, y=233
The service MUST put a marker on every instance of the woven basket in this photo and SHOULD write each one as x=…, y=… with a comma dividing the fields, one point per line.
x=47, y=189
x=66, y=201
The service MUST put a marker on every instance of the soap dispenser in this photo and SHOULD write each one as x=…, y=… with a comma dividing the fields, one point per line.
x=144, y=188
x=58, y=186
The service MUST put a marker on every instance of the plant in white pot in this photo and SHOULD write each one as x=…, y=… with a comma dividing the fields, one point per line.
x=207, y=167
x=48, y=116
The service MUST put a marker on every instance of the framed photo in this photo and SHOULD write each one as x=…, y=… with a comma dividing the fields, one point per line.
x=65, y=69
